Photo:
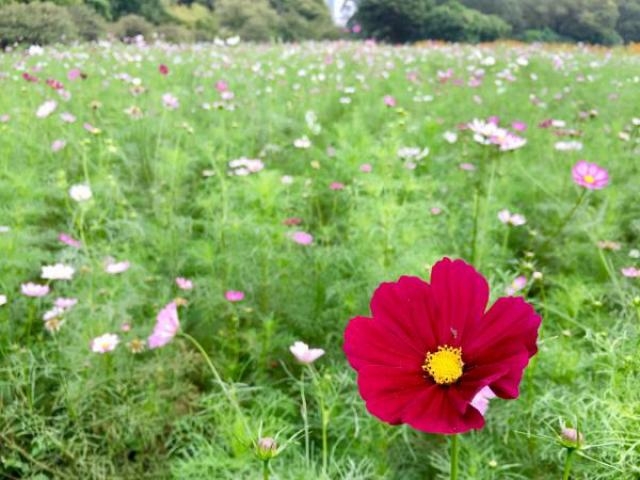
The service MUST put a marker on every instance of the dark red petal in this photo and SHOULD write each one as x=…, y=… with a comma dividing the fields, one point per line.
x=461, y=294
x=436, y=410
x=405, y=310
x=388, y=390
x=366, y=342
x=510, y=325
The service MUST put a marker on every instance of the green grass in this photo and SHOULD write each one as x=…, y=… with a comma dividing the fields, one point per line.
x=68, y=413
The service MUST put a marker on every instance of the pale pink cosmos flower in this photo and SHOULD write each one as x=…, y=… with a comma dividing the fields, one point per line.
x=467, y=167
x=69, y=240
x=336, y=186
x=631, y=272
x=513, y=219
x=435, y=210
x=46, y=109
x=105, y=343
x=58, y=271
x=450, y=137
x=222, y=86
x=67, y=117
x=184, y=283
x=58, y=145
x=304, y=354
x=390, y=101
x=55, y=312
x=113, y=268
x=167, y=326
x=3, y=300
x=234, y=295
x=481, y=401
x=170, y=101
x=65, y=303
x=572, y=145
x=302, y=238
x=31, y=289
x=518, y=284
x=590, y=175
x=366, y=168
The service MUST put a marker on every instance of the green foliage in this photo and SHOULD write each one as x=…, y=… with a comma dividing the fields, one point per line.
x=131, y=26
x=253, y=20
x=303, y=19
x=89, y=24
x=454, y=22
x=508, y=10
x=175, y=33
x=628, y=25
x=35, y=23
x=395, y=21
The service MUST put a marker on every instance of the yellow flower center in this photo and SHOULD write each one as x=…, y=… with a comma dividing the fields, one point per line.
x=589, y=179
x=444, y=365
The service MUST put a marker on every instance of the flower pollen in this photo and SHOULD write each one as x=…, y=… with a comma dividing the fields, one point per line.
x=444, y=365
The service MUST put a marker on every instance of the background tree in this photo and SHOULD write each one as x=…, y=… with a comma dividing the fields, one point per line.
x=628, y=25
x=396, y=21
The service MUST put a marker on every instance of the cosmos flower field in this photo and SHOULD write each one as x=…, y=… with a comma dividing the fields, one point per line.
x=186, y=232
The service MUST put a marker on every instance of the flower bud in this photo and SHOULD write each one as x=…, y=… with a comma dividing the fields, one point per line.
x=267, y=448
x=571, y=438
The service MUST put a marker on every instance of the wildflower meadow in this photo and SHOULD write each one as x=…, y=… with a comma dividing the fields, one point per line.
x=336, y=260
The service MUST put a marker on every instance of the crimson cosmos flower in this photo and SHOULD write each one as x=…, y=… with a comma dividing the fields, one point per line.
x=429, y=348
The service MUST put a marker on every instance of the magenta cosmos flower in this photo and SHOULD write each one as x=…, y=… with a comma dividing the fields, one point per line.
x=590, y=175
x=234, y=295
x=430, y=349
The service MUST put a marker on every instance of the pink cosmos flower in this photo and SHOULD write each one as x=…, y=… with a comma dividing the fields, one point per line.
x=513, y=219
x=58, y=145
x=631, y=272
x=114, y=268
x=518, y=284
x=366, y=168
x=163, y=69
x=167, y=326
x=336, y=186
x=222, y=86
x=69, y=240
x=519, y=126
x=105, y=343
x=74, y=74
x=467, y=167
x=302, y=238
x=184, y=283
x=390, y=101
x=356, y=28
x=34, y=290
x=304, y=354
x=590, y=175
x=234, y=295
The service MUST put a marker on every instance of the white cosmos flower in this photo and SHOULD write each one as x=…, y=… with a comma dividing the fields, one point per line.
x=304, y=354
x=80, y=193
x=58, y=271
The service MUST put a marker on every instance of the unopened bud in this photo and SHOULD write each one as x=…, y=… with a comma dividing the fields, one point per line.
x=267, y=448
x=571, y=438
x=537, y=276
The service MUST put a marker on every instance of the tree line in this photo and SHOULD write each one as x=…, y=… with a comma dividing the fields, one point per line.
x=33, y=21
x=606, y=22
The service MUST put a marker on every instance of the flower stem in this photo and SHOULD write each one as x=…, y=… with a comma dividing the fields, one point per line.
x=230, y=396
x=265, y=470
x=565, y=220
x=455, y=448
x=474, y=233
x=305, y=419
x=567, y=464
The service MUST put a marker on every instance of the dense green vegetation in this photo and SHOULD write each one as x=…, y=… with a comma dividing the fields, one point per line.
x=593, y=21
x=304, y=175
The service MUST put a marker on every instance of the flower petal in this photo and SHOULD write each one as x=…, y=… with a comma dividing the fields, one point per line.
x=405, y=310
x=367, y=342
x=461, y=294
x=435, y=410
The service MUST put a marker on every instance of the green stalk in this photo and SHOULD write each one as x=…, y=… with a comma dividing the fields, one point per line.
x=565, y=220
x=455, y=450
x=305, y=420
x=567, y=464
x=265, y=470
